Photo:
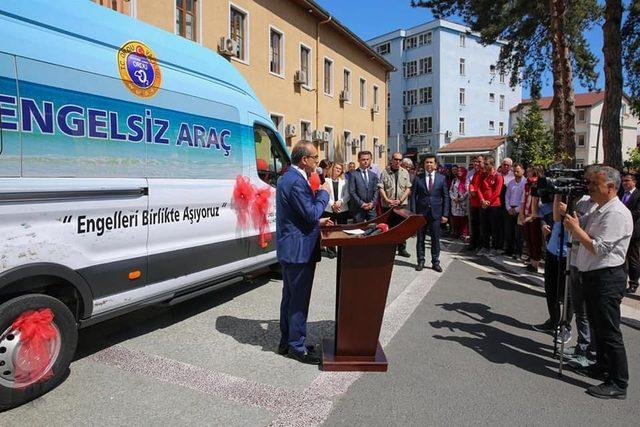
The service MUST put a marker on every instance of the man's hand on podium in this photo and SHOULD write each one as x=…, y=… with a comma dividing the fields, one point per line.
x=325, y=222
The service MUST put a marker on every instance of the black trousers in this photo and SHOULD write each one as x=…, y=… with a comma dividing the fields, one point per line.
x=554, y=293
x=490, y=223
x=513, y=235
x=432, y=228
x=603, y=292
x=633, y=261
x=474, y=227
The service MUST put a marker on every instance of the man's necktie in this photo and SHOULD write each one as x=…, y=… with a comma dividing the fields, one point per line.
x=365, y=178
x=626, y=196
x=430, y=184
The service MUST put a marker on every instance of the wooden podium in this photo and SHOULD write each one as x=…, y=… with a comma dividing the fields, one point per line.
x=362, y=283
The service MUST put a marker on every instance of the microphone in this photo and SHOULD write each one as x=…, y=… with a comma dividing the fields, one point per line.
x=320, y=173
x=370, y=228
x=381, y=228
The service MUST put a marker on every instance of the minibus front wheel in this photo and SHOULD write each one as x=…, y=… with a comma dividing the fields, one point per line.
x=38, y=338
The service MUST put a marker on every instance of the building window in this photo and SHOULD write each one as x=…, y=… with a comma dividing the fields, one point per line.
x=278, y=122
x=425, y=95
x=388, y=128
x=409, y=97
x=363, y=93
x=501, y=128
x=462, y=96
x=238, y=31
x=328, y=76
x=425, y=38
x=186, y=19
x=410, y=69
x=425, y=65
x=581, y=140
x=328, y=146
x=463, y=40
x=347, y=137
x=492, y=97
x=375, y=95
x=410, y=42
x=276, y=52
x=346, y=77
x=305, y=130
x=305, y=64
x=501, y=102
x=501, y=77
x=426, y=124
x=363, y=142
x=492, y=70
x=579, y=163
x=461, y=126
x=462, y=70
x=492, y=125
x=410, y=126
x=388, y=100
x=582, y=116
x=384, y=48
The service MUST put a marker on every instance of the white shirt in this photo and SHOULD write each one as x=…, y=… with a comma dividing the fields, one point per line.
x=365, y=175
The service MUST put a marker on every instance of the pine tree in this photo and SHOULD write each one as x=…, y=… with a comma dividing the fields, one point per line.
x=631, y=47
x=533, y=142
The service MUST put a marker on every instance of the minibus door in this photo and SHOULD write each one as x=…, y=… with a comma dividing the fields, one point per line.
x=9, y=114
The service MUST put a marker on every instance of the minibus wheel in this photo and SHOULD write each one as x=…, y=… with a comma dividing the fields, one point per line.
x=33, y=366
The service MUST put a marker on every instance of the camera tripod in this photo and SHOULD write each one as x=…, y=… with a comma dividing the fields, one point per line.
x=561, y=327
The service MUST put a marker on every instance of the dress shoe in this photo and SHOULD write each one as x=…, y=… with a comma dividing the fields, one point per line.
x=403, y=253
x=633, y=287
x=607, y=390
x=304, y=357
x=420, y=266
x=437, y=268
x=593, y=371
x=283, y=349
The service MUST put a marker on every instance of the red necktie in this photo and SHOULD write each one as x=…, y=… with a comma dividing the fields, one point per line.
x=430, y=184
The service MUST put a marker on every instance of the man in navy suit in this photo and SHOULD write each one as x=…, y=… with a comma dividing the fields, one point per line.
x=363, y=189
x=298, y=213
x=431, y=199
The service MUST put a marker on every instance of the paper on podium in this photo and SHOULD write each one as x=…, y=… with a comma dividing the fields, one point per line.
x=355, y=232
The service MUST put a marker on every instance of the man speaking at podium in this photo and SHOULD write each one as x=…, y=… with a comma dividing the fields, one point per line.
x=298, y=212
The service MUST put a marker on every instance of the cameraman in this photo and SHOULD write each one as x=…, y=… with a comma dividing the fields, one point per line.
x=604, y=236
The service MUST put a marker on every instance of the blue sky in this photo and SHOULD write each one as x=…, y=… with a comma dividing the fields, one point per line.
x=371, y=18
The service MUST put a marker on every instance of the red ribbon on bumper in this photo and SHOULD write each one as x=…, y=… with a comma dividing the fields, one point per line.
x=36, y=330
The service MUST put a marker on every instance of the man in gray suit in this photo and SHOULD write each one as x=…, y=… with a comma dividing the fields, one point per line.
x=363, y=188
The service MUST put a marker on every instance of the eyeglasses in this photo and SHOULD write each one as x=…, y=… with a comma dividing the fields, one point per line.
x=397, y=160
x=314, y=157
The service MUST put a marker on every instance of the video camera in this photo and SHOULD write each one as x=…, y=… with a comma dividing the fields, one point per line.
x=559, y=180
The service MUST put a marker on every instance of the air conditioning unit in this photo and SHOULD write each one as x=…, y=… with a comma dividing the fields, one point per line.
x=300, y=78
x=448, y=134
x=345, y=96
x=326, y=136
x=356, y=143
x=227, y=46
x=375, y=109
x=317, y=135
x=406, y=108
x=290, y=131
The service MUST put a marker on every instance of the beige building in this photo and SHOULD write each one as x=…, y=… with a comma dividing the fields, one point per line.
x=588, y=110
x=317, y=79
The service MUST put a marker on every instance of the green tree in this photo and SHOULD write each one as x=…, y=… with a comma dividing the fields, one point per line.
x=633, y=163
x=631, y=49
x=533, y=143
x=538, y=36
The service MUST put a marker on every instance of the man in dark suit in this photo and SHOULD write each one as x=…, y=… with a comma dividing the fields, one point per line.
x=431, y=199
x=631, y=199
x=363, y=189
x=298, y=212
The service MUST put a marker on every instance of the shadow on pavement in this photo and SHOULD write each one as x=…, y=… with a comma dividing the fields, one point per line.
x=266, y=333
x=632, y=323
x=508, y=286
x=103, y=335
x=484, y=314
x=502, y=347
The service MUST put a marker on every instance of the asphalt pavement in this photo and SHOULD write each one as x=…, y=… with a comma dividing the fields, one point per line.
x=459, y=345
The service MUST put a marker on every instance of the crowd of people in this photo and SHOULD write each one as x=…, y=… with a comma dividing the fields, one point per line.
x=494, y=210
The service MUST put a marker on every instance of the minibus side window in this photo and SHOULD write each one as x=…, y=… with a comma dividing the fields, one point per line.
x=271, y=159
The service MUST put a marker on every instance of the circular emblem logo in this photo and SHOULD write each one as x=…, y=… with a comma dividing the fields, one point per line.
x=139, y=70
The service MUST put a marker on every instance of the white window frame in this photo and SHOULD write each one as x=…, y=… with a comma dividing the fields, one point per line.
x=375, y=95
x=584, y=140
x=462, y=66
x=501, y=104
x=175, y=23
x=363, y=93
x=379, y=48
x=282, y=122
x=246, y=42
x=461, y=125
x=502, y=78
x=462, y=96
x=328, y=148
x=363, y=140
x=501, y=128
x=584, y=118
x=331, y=76
x=463, y=40
x=310, y=125
x=350, y=83
x=308, y=86
x=579, y=163
x=492, y=97
x=282, y=75
x=492, y=125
